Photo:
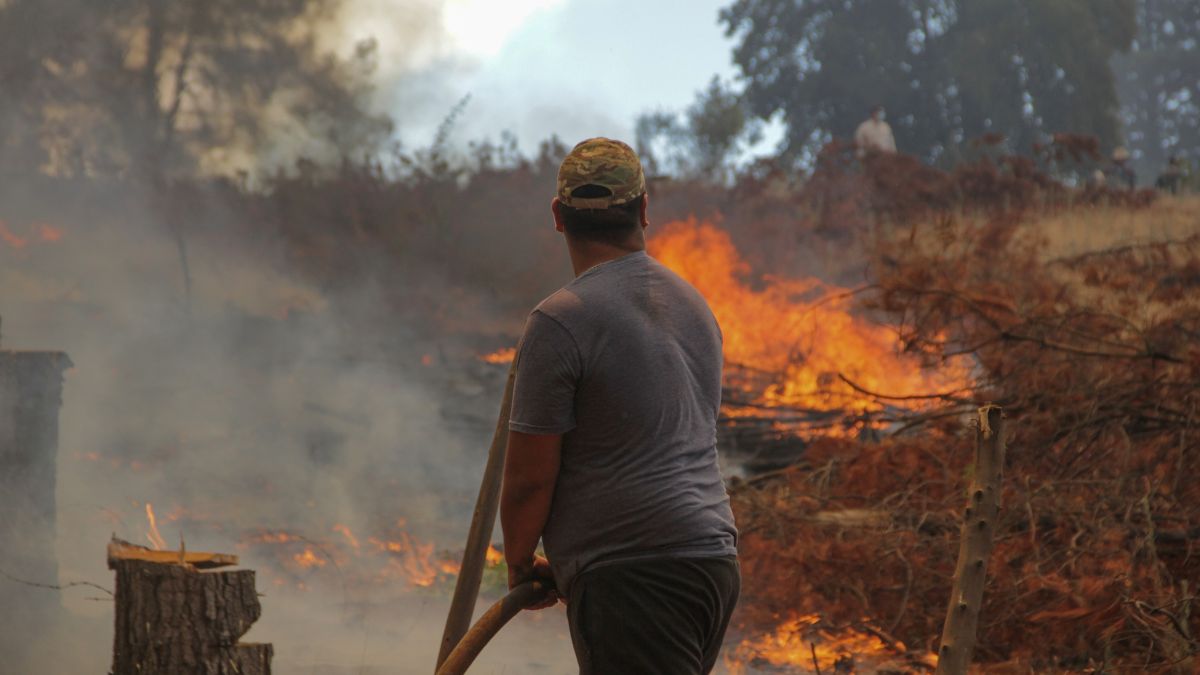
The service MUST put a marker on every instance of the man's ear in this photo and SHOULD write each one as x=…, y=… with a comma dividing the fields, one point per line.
x=556, y=209
x=645, y=204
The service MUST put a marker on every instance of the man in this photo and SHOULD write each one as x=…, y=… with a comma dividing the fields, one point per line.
x=874, y=134
x=1121, y=174
x=612, y=456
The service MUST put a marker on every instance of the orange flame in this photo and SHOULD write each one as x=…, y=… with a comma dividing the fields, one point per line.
x=493, y=557
x=307, y=559
x=801, y=641
x=413, y=560
x=799, y=332
x=7, y=236
x=46, y=234
x=397, y=556
x=152, y=534
x=500, y=356
x=49, y=233
x=345, y=532
x=273, y=537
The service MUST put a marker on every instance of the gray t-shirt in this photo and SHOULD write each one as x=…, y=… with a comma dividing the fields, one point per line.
x=625, y=362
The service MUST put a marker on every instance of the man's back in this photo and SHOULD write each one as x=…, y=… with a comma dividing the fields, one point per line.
x=625, y=361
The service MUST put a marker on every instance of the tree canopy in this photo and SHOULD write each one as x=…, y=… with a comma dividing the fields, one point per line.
x=178, y=86
x=946, y=70
x=1159, y=84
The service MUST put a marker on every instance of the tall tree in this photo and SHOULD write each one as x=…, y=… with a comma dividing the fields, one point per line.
x=946, y=70
x=703, y=141
x=1159, y=84
x=154, y=87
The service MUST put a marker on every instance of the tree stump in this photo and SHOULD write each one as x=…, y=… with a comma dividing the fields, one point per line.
x=173, y=619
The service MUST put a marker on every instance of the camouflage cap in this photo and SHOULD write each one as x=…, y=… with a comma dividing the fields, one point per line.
x=604, y=162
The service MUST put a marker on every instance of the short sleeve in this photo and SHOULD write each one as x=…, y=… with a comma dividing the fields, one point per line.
x=549, y=366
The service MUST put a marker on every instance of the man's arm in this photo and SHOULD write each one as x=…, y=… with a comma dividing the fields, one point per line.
x=530, y=472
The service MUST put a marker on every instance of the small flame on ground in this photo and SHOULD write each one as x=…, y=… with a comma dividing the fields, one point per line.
x=800, y=641
x=345, y=532
x=46, y=234
x=49, y=233
x=7, y=236
x=274, y=537
x=308, y=559
x=152, y=534
x=500, y=356
x=396, y=555
x=493, y=556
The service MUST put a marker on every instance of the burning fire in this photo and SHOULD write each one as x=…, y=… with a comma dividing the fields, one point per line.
x=798, y=334
x=500, y=356
x=156, y=540
x=7, y=236
x=308, y=558
x=804, y=644
x=46, y=234
x=397, y=555
x=494, y=557
x=49, y=233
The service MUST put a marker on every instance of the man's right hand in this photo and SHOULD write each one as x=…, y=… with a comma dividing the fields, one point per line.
x=536, y=569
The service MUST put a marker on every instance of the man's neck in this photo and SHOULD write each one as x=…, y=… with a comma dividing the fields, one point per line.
x=587, y=254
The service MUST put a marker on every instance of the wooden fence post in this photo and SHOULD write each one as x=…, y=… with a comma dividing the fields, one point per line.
x=978, y=529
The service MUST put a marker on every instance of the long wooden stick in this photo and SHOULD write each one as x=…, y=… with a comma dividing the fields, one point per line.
x=470, y=574
x=465, y=652
x=978, y=529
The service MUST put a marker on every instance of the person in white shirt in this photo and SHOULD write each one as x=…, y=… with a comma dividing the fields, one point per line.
x=874, y=134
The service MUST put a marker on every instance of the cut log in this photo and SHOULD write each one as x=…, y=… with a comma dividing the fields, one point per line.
x=172, y=619
x=978, y=530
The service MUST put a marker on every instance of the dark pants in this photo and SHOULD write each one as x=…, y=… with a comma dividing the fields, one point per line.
x=664, y=616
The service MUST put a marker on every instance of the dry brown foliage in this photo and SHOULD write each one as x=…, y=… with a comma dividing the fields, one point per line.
x=1096, y=360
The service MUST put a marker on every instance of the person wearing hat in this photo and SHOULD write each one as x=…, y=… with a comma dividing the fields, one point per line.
x=612, y=459
x=1121, y=173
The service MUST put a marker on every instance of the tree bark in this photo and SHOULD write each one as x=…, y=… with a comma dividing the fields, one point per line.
x=174, y=620
x=978, y=529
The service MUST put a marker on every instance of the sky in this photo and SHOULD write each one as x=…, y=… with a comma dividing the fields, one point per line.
x=575, y=68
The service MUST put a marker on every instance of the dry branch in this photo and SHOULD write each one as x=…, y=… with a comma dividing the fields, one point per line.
x=978, y=530
x=123, y=550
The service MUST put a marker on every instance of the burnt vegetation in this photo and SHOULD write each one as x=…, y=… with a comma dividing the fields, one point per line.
x=1093, y=357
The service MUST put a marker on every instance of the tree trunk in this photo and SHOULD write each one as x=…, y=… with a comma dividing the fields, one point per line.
x=174, y=620
x=978, y=528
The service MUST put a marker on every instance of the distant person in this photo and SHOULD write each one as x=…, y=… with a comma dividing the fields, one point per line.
x=1120, y=173
x=1172, y=177
x=874, y=134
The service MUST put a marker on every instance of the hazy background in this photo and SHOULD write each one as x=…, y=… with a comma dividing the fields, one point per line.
x=274, y=237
